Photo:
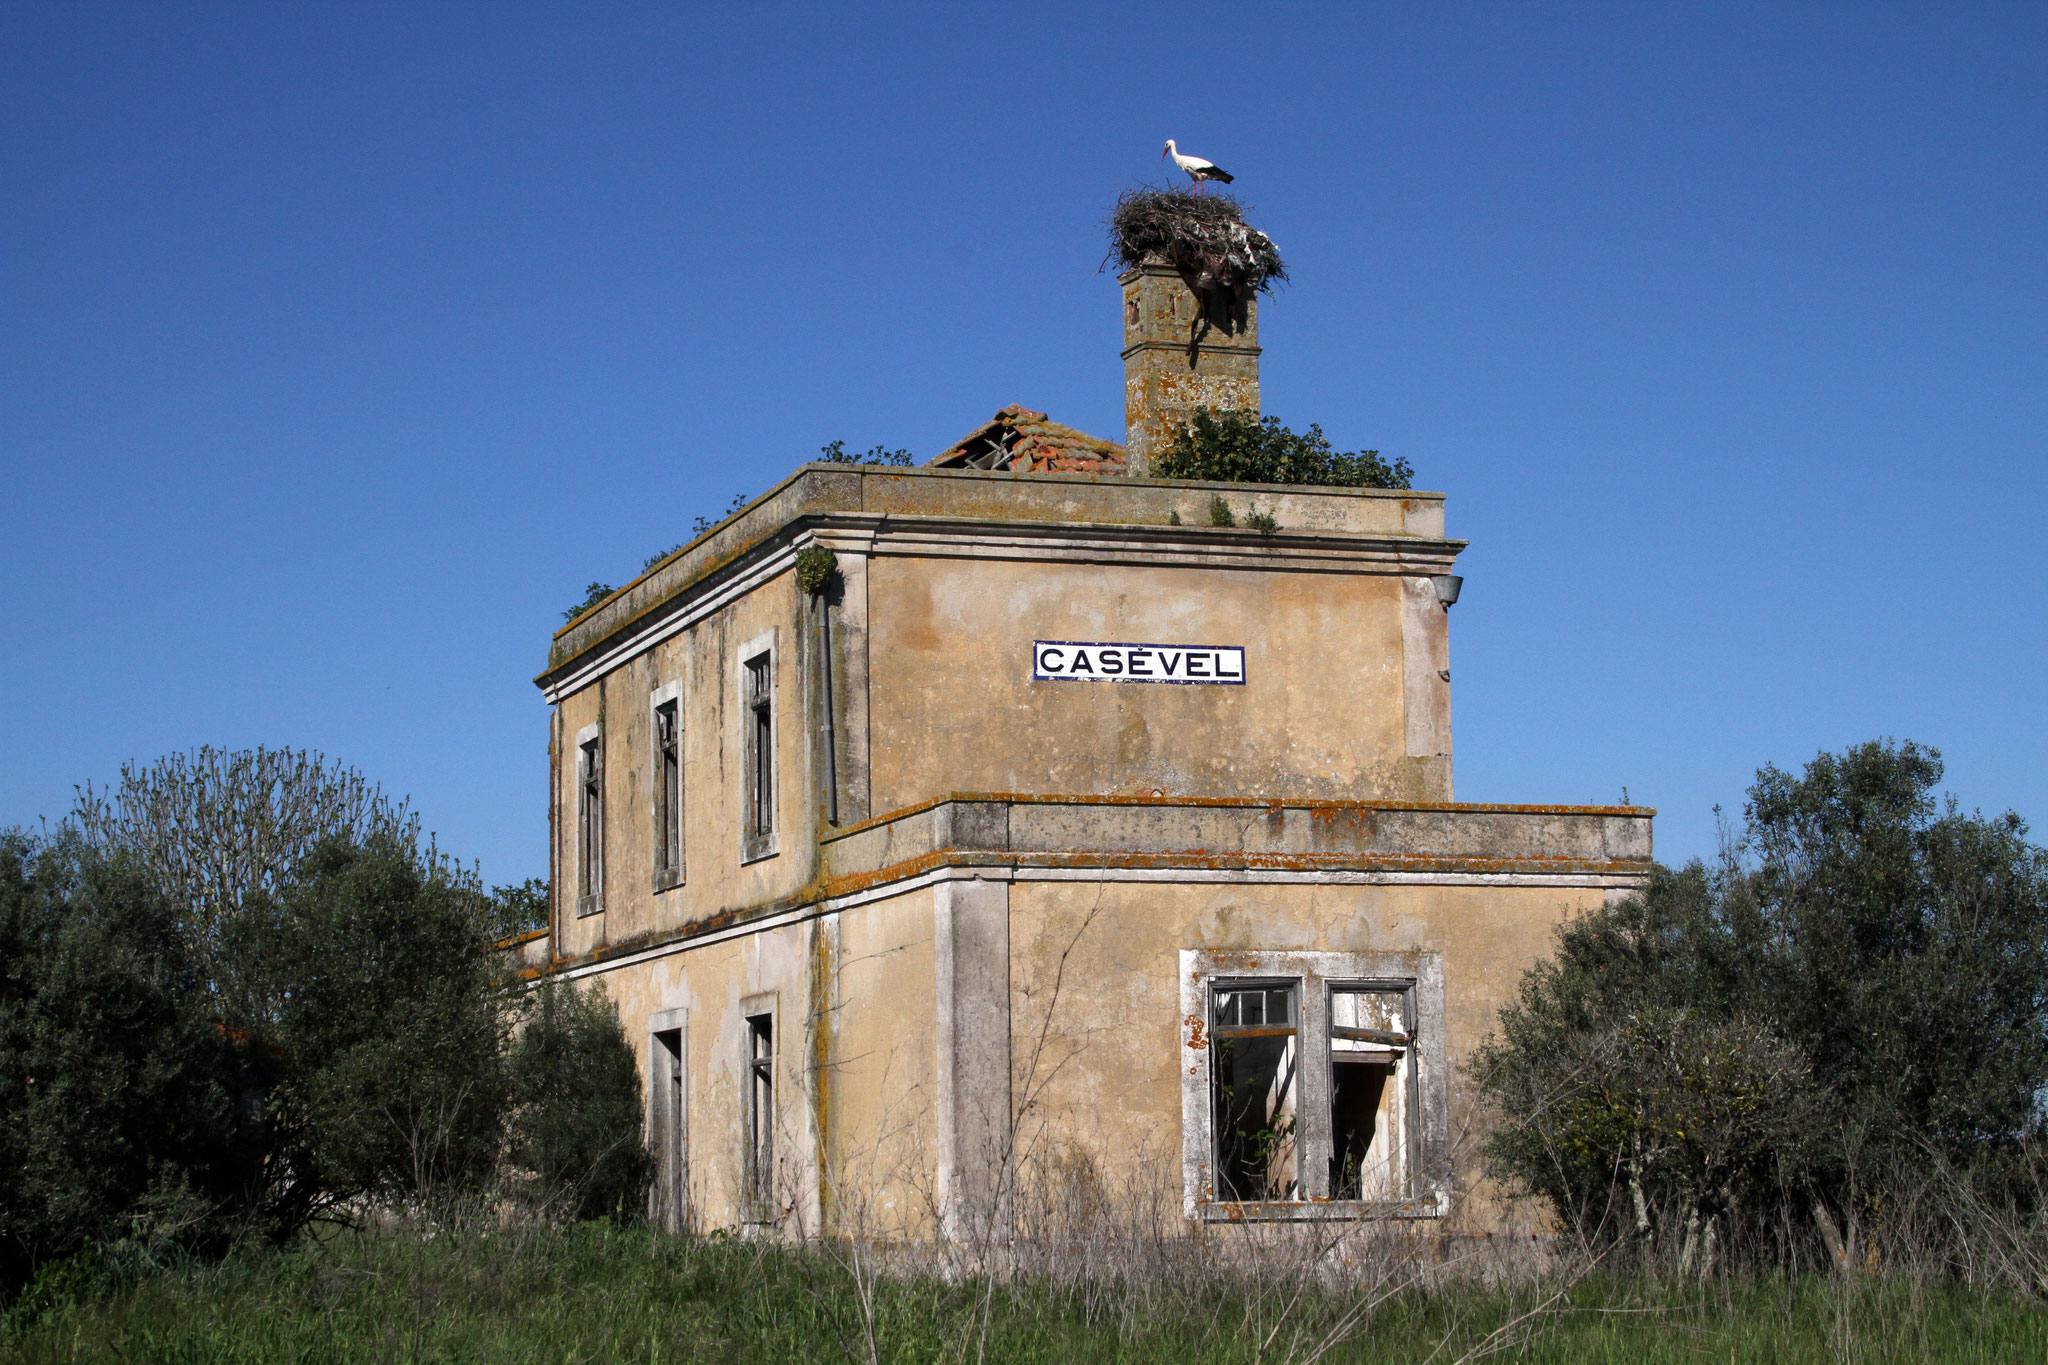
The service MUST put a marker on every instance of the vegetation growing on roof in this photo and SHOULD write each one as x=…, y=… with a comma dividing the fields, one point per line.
x=1203, y=236
x=703, y=524
x=592, y=595
x=1237, y=447
x=816, y=567
x=836, y=453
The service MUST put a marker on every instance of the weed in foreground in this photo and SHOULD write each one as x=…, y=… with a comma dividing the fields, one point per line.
x=600, y=1293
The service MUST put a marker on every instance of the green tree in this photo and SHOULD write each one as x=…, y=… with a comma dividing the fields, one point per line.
x=118, y=1114
x=211, y=829
x=1237, y=447
x=577, y=1091
x=376, y=991
x=1860, y=985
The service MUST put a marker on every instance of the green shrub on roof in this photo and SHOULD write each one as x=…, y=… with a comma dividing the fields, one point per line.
x=1238, y=447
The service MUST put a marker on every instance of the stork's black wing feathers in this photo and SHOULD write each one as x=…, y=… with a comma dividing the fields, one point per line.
x=1218, y=173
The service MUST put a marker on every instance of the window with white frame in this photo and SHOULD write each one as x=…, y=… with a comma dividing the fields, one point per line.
x=589, y=820
x=1318, y=1087
x=666, y=748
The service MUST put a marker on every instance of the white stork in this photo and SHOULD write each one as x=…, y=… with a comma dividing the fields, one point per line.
x=1198, y=170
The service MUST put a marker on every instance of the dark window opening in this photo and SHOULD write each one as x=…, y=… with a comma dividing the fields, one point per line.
x=590, y=824
x=1357, y=1093
x=671, y=1196
x=668, y=791
x=1370, y=1051
x=760, y=749
x=760, y=1163
x=1252, y=1065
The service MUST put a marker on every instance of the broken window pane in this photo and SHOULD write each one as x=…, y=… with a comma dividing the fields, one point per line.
x=1370, y=1062
x=1252, y=1065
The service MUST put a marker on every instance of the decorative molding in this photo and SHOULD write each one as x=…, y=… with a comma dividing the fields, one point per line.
x=877, y=534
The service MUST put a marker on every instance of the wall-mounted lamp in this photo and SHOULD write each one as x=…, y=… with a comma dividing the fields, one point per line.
x=1447, y=585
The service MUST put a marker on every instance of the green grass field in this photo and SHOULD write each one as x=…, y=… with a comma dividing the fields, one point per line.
x=597, y=1294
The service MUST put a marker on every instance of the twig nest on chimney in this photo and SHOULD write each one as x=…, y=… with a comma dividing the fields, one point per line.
x=1202, y=236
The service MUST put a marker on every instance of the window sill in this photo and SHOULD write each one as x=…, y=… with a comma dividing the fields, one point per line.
x=1319, y=1210
x=754, y=853
x=667, y=879
x=586, y=906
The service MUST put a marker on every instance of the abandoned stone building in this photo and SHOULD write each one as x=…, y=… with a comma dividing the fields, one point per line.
x=1048, y=819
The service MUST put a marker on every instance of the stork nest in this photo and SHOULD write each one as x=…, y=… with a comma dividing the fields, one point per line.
x=1203, y=236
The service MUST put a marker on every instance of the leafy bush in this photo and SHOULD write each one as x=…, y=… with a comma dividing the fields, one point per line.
x=816, y=567
x=517, y=909
x=577, y=1090
x=1858, y=989
x=703, y=524
x=835, y=452
x=592, y=595
x=117, y=1090
x=379, y=998
x=1236, y=447
x=208, y=830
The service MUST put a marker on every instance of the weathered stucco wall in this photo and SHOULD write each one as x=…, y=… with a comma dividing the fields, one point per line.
x=878, y=1075
x=854, y=1053
x=1109, y=1040
x=1324, y=712
x=709, y=982
x=705, y=662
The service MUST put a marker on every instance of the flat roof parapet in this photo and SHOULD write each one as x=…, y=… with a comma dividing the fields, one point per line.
x=751, y=542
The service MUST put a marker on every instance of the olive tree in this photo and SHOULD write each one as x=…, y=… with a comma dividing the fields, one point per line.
x=1857, y=989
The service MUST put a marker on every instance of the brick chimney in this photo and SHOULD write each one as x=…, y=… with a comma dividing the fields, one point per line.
x=1182, y=351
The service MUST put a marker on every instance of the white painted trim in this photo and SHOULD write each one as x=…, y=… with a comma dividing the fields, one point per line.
x=909, y=885
x=588, y=733
x=1259, y=876
x=633, y=645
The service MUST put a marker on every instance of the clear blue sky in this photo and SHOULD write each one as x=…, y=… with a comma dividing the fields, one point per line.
x=340, y=346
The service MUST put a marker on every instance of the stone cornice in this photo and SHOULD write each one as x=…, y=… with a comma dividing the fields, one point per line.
x=1047, y=498
x=923, y=536
x=1020, y=837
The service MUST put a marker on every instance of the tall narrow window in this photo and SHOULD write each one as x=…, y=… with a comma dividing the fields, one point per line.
x=1252, y=1064
x=760, y=721
x=1370, y=1042
x=670, y=1195
x=590, y=824
x=760, y=1162
x=668, y=793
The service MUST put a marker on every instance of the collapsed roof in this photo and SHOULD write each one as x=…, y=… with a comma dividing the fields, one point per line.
x=1019, y=441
